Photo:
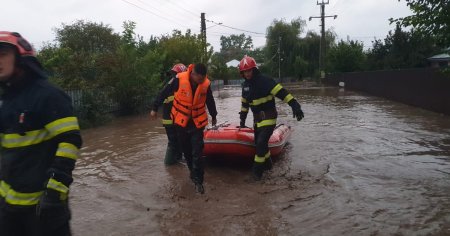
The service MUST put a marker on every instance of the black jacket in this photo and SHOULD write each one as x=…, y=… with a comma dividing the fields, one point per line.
x=259, y=94
x=40, y=141
x=166, y=100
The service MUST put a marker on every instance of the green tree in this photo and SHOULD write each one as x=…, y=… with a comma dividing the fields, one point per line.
x=184, y=48
x=258, y=54
x=376, y=55
x=85, y=36
x=289, y=36
x=218, y=68
x=235, y=46
x=299, y=56
x=73, y=59
x=346, y=56
x=133, y=76
x=310, y=50
x=401, y=49
x=104, y=68
x=430, y=17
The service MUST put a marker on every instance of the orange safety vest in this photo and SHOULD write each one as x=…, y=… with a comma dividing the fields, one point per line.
x=185, y=106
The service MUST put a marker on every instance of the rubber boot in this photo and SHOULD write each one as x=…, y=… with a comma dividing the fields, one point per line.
x=171, y=156
x=198, y=181
x=179, y=156
x=268, y=164
x=257, y=171
x=199, y=188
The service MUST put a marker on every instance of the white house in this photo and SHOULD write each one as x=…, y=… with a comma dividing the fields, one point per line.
x=233, y=63
x=440, y=60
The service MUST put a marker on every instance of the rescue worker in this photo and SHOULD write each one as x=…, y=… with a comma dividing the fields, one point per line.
x=192, y=94
x=173, y=152
x=258, y=92
x=40, y=141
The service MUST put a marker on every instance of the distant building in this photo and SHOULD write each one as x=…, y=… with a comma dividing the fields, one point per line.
x=440, y=60
x=233, y=63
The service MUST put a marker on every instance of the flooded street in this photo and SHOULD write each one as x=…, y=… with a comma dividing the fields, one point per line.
x=356, y=165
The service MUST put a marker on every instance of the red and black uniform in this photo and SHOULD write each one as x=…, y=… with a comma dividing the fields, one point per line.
x=190, y=118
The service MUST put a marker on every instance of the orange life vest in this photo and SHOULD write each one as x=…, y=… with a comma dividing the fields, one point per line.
x=187, y=106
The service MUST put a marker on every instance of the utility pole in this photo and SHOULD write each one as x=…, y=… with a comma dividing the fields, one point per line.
x=203, y=34
x=322, y=38
x=279, y=59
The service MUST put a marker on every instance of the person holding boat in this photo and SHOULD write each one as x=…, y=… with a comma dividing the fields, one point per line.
x=192, y=95
x=258, y=94
x=173, y=151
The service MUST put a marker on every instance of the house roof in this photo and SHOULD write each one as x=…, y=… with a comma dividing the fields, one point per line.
x=233, y=63
x=440, y=57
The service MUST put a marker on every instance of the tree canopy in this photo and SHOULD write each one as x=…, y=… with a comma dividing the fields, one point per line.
x=430, y=17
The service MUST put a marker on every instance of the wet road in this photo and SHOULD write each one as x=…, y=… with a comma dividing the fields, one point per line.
x=356, y=165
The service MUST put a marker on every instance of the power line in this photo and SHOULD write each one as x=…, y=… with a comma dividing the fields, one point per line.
x=234, y=28
x=179, y=9
x=157, y=15
x=187, y=10
x=160, y=11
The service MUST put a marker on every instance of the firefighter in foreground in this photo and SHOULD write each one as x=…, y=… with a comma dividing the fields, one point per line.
x=192, y=94
x=40, y=140
x=173, y=152
x=258, y=94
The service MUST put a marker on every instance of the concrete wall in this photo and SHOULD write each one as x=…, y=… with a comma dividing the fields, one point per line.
x=427, y=88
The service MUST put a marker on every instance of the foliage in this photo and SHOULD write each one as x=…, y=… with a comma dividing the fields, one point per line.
x=288, y=34
x=346, y=56
x=91, y=111
x=235, y=46
x=299, y=55
x=184, y=48
x=219, y=69
x=232, y=47
x=401, y=49
x=430, y=17
x=89, y=37
x=91, y=57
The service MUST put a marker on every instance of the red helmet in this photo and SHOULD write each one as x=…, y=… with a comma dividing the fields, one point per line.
x=15, y=39
x=247, y=63
x=179, y=68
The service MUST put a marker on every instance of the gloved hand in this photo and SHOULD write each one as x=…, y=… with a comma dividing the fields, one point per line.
x=297, y=111
x=242, y=124
x=214, y=121
x=53, y=205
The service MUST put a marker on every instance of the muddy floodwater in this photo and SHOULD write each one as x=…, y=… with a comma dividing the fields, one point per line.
x=356, y=165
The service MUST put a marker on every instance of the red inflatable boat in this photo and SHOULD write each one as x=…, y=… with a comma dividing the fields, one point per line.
x=229, y=140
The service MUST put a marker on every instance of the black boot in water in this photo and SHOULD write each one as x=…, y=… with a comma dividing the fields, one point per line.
x=257, y=171
x=199, y=188
x=268, y=164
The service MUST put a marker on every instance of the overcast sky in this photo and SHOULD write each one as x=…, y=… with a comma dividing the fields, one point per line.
x=359, y=19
